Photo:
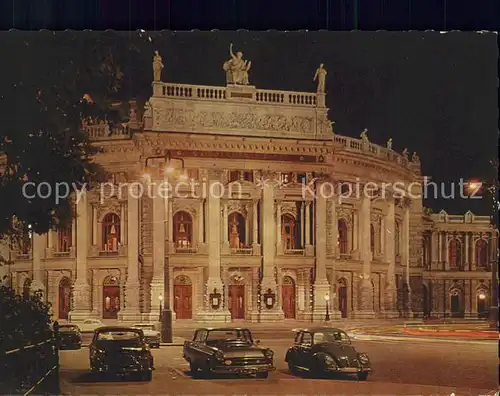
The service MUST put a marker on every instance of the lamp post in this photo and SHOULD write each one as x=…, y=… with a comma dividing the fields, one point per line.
x=166, y=311
x=492, y=189
x=327, y=314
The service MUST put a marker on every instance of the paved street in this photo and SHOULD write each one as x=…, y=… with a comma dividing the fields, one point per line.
x=409, y=367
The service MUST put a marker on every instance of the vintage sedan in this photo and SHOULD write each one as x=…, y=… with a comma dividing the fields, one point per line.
x=327, y=351
x=120, y=350
x=89, y=325
x=69, y=337
x=152, y=336
x=227, y=351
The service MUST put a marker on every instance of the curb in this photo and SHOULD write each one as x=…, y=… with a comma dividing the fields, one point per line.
x=448, y=333
x=424, y=339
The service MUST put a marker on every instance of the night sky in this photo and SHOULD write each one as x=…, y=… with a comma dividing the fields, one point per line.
x=433, y=93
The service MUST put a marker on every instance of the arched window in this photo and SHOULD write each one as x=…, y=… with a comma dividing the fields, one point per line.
x=342, y=238
x=372, y=238
x=110, y=232
x=288, y=232
x=236, y=230
x=481, y=253
x=455, y=253
x=64, y=239
x=397, y=234
x=183, y=230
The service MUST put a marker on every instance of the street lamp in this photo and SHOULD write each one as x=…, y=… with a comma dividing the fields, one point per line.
x=327, y=314
x=165, y=311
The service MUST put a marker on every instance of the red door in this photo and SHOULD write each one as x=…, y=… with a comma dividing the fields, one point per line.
x=64, y=298
x=237, y=301
x=111, y=302
x=183, y=301
x=342, y=291
x=288, y=300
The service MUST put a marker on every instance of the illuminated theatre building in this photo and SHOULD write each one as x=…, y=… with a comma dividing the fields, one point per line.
x=261, y=251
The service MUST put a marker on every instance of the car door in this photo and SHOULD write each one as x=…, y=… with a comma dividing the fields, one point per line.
x=305, y=350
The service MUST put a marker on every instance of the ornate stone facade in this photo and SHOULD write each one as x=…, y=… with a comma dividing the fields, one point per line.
x=254, y=156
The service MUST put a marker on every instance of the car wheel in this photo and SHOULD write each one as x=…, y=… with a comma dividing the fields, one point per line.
x=263, y=375
x=362, y=376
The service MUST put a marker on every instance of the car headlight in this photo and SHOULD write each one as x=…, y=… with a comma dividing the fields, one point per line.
x=363, y=358
x=329, y=361
x=219, y=355
x=268, y=354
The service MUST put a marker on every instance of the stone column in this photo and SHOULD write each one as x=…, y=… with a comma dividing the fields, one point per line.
x=94, y=225
x=355, y=236
x=201, y=226
x=82, y=307
x=214, y=281
x=302, y=225
x=307, y=224
x=50, y=243
x=466, y=256
x=159, y=239
x=405, y=256
x=225, y=227
x=390, y=258
x=255, y=223
x=365, y=307
x=473, y=258
x=279, y=242
x=73, y=234
x=122, y=224
x=170, y=224
x=37, y=284
x=335, y=229
x=434, y=249
x=6, y=267
x=131, y=311
x=268, y=221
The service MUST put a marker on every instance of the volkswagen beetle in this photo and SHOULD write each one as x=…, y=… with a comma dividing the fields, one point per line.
x=327, y=351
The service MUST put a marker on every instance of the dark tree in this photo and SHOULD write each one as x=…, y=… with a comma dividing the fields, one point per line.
x=50, y=83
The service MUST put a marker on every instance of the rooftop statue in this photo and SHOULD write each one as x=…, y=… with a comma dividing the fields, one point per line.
x=405, y=153
x=389, y=144
x=157, y=67
x=415, y=157
x=364, y=135
x=236, y=68
x=321, y=77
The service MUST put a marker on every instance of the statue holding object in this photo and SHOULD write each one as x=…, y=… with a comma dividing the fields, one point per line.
x=236, y=68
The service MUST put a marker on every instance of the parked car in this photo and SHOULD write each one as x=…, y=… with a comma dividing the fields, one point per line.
x=89, y=325
x=70, y=337
x=152, y=336
x=227, y=351
x=120, y=350
x=327, y=351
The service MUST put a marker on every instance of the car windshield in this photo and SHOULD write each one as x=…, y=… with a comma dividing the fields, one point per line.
x=231, y=335
x=330, y=336
x=66, y=329
x=126, y=337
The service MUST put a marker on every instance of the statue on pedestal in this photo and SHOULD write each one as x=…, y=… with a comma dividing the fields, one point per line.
x=234, y=238
x=405, y=153
x=236, y=68
x=415, y=157
x=364, y=135
x=321, y=77
x=157, y=67
x=389, y=144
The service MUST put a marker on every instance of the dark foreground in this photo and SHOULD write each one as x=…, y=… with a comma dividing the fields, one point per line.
x=407, y=367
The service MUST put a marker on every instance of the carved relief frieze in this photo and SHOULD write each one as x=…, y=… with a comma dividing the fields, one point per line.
x=345, y=214
x=185, y=205
x=289, y=207
x=110, y=205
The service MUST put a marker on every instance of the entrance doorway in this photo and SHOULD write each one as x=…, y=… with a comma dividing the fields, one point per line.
x=64, y=298
x=455, y=306
x=183, y=297
x=237, y=301
x=110, y=298
x=288, y=297
x=482, y=309
x=342, y=294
